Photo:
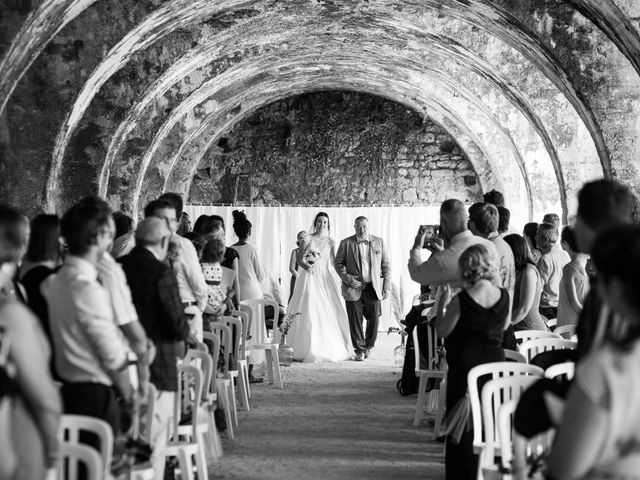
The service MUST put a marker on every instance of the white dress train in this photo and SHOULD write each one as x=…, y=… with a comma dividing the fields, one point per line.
x=321, y=334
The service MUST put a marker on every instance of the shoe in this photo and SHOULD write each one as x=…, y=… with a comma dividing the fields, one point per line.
x=367, y=352
x=359, y=357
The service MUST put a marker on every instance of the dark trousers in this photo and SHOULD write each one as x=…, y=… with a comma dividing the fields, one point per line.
x=549, y=312
x=368, y=306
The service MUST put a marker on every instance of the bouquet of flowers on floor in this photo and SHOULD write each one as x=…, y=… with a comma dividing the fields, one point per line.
x=287, y=321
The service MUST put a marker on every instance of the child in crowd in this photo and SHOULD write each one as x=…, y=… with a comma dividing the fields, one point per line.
x=212, y=253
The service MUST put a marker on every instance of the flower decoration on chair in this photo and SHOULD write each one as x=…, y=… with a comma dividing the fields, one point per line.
x=287, y=321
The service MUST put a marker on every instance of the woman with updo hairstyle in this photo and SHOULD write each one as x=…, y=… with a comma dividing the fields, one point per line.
x=472, y=324
x=599, y=433
x=251, y=274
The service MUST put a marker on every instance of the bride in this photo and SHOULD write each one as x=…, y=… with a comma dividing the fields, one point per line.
x=322, y=331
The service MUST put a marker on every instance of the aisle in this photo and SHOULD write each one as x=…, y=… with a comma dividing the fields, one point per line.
x=332, y=421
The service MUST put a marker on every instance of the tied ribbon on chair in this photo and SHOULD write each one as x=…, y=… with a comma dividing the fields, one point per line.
x=458, y=420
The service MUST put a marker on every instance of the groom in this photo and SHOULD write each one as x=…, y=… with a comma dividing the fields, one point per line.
x=363, y=265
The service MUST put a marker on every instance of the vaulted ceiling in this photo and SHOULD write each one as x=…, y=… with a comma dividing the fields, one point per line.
x=125, y=97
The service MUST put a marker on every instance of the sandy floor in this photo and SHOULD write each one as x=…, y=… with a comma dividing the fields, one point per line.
x=332, y=421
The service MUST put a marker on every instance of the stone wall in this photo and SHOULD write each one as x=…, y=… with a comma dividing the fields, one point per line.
x=335, y=148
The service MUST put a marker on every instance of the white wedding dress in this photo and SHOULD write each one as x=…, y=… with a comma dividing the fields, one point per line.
x=321, y=334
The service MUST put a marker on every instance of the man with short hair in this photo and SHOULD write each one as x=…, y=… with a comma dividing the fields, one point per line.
x=441, y=269
x=191, y=282
x=90, y=351
x=550, y=267
x=484, y=221
x=494, y=197
x=553, y=219
x=503, y=221
x=154, y=290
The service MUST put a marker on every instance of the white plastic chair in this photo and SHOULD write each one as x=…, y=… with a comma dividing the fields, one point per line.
x=551, y=322
x=186, y=447
x=566, y=331
x=495, y=370
x=270, y=349
x=531, y=348
x=513, y=356
x=221, y=385
x=73, y=454
x=566, y=369
x=243, y=354
x=494, y=393
x=525, y=335
x=69, y=433
x=436, y=396
x=241, y=373
x=224, y=332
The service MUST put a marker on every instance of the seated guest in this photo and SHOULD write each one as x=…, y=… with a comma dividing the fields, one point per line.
x=154, y=289
x=90, y=351
x=210, y=263
x=471, y=324
x=124, y=241
x=526, y=299
x=30, y=405
x=197, y=240
x=550, y=268
x=574, y=285
x=598, y=433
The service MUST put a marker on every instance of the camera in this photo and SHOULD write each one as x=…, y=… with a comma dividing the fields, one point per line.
x=431, y=231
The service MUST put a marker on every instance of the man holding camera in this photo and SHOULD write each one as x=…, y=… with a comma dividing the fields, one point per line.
x=454, y=238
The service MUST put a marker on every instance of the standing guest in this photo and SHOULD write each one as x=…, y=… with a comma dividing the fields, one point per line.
x=191, y=284
x=529, y=233
x=156, y=297
x=251, y=275
x=124, y=241
x=574, y=285
x=230, y=259
x=43, y=257
x=504, y=217
x=201, y=224
x=528, y=288
x=90, y=351
x=483, y=222
x=553, y=219
x=184, y=224
x=29, y=426
x=471, y=323
x=494, y=197
x=442, y=267
x=598, y=434
x=550, y=267
x=210, y=263
x=293, y=261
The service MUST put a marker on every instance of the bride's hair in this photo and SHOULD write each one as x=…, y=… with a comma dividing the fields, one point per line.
x=321, y=214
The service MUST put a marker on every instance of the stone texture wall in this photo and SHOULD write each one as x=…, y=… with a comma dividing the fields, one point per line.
x=332, y=148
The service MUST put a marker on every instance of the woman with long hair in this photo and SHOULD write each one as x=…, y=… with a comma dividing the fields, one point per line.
x=322, y=331
x=526, y=295
x=598, y=433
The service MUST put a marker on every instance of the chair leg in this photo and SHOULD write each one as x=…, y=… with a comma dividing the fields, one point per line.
x=422, y=391
x=201, y=459
x=223, y=397
x=214, y=438
x=232, y=402
x=186, y=464
x=243, y=387
x=276, y=370
x=269, y=356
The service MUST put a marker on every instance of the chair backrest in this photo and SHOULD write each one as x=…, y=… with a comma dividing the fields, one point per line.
x=235, y=324
x=69, y=432
x=531, y=348
x=246, y=323
x=505, y=431
x=71, y=454
x=189, y=390
x=213, y=343
x=565, y=331
x=495, y=370
x=224, y=332
x=524, y=335
x=202, y=347
x=566, y=369
x=432, y=342
x=203, y=361
x=254, y=303
x=494, y=393
x=513, y=356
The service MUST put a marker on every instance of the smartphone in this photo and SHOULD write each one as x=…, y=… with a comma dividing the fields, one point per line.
x=431, y=231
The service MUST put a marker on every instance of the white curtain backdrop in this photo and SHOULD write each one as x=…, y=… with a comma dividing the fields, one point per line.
x=275, y=229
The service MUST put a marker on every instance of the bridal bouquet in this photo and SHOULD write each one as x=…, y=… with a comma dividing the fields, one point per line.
x=287, y=321
x=311, y=256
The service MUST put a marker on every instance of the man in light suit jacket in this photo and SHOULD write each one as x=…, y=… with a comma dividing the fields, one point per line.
x=363, y=265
